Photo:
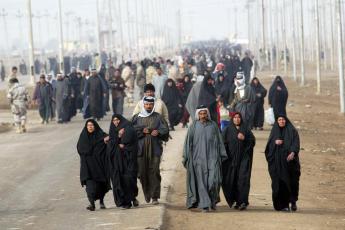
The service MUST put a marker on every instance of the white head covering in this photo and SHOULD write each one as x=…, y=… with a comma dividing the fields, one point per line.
x=199, y=109
x=143, y=112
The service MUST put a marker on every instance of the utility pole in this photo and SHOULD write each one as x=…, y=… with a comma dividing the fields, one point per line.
x=61, y=42
x=110, y=31
x=294, y=41
x=331, y=13
x=302, y=44
x=98, y=30
x=137, y=28
x=31, y=44
x=121, y=29
x=263, y=26
x=4, y=14
x=284, y=37
x=277, y=34
x=19, y=15
x=271, y=34
x=179, y=29
x=318, y=64
x=340, y=56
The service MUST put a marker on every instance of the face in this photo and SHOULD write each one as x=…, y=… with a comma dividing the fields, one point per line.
x=281, y=122
x=42, y=80
x=220, y=103
x=203, y=116
x=14, y=71
x=87, y=73
x=94, y=73
x=255, y=81
x=170, y=83
x=49, y=77
x=148, y=107
x=90, y=127
x=221, y=78
x=159, y=71
x=117, y=73
x=186, y=79
x=150, y=93
x=116, y=121
x=210, y=81
x=237, y=120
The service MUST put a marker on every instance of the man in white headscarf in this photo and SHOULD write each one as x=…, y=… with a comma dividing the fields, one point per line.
x=151, y=130
x=242, y=99
x=203, y=155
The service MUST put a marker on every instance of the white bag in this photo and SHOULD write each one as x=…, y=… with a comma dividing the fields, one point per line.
x=269, y=116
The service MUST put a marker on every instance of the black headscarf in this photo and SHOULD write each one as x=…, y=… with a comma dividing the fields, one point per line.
x=87, y=141
x=207, y=94
x=170, y=93
x=113, y=130
x=220, y=85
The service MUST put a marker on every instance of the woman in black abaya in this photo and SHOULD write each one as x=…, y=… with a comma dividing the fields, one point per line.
x=282, y=151
x=93, y=165
x=260, y=94
x=207, y=96
x=172, y=99
x=239, y=143
x=278, y=96
x=122, y=152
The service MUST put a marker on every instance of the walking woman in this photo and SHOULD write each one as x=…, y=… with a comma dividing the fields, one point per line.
x=122, y=152
x=283, y=164
x=173, y=100
x=93, y=165
x=258, y=106
x=239, y=143
x=278, y=96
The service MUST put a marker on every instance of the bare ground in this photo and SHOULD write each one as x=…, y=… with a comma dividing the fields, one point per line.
x=322, y=184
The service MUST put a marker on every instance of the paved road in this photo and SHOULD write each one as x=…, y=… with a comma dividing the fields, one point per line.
x=40, y=188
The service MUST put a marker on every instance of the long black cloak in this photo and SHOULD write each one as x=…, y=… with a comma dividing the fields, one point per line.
x=95, y=91
x=123, y=162
x=260, y=94
x=278, y=98
x=284, y=175
x=93, y=164
x=237, y=168
x=172, y=99
x=207, y=97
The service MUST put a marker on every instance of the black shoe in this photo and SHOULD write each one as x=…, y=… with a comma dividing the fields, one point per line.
x=102, y=206
x=135, y=203
x=155, y=201
x=214, y=207
x=236, y=206
x=126, y=207
x=91, y=207
x=148, y=200
x=293, y=206
x=287, y=209
x=242, y=207
x=205, y=210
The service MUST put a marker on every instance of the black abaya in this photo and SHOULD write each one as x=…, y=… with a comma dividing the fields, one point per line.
x=93, y=164
x=277, y=98
x=123, y=162
x=284, y=175
x=259, y=113
x=237, y=168
x=172, y=99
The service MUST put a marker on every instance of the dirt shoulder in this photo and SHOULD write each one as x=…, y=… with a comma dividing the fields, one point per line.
x=322, y=184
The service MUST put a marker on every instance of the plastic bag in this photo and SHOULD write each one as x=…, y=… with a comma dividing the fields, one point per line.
x=269, y=116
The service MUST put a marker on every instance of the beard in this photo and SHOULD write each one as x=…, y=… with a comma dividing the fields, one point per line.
x=149, y=111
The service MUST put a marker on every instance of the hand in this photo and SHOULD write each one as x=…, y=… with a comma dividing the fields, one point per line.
x=72, y=95
x=154, y=133
x=121, y=146
x=106, y=139
x=258, y=94
x=279, y=142
x=180, y=105
x=240, y=136
x=291, y=156
x=104, y=94
x=121, y=132
x=146, y=131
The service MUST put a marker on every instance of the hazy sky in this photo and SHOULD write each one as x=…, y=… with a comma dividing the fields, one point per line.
x=202, y=19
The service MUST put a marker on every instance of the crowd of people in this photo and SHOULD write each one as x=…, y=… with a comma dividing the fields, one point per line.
x=207, y=88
